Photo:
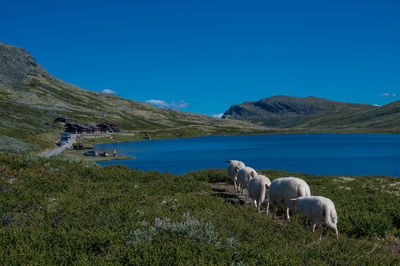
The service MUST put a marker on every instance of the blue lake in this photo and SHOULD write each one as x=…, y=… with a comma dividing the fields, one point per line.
x=322, y=154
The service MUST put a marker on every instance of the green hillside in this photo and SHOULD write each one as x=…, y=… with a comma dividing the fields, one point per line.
x=30, y=99
x=380, y=119
x=289, y=112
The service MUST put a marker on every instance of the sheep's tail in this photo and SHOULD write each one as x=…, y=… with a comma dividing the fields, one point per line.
x=304, y=191
x=308, y=192
x=262, y=193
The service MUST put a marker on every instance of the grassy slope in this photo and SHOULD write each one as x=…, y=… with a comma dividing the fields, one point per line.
x=40, y=100
x=385, y=119
x=56, y=212
x=23, y=128
x=292, y=112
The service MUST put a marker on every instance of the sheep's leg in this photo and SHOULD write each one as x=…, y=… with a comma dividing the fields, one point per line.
x=275, y=207
x=234, y=185
x=259, y=205
x=313, y=226
x=267, y=207
x=255, y=203
x=287, y=214
x=337, y=233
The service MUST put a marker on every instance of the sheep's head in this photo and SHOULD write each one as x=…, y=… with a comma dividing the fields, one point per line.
x=266, y=186
x=252, y=173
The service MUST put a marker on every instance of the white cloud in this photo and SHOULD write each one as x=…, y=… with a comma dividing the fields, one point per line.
x=388, y=94
x=107, y=91
x=218, y=115
x=171, y=105
x=376, y=105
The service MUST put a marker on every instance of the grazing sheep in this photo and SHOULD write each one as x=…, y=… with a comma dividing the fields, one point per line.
x=282, y=190
x=257, y=188
x=319, y=209
x=233, y=168
x=244, y=175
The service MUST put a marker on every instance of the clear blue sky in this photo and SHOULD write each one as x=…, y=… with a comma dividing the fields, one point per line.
x=207, y=55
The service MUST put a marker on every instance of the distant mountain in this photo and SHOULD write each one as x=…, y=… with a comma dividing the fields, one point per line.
x=288, y=112
x=31, y=98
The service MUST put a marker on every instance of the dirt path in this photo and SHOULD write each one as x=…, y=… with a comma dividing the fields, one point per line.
x=226, y=191
x=56, y=151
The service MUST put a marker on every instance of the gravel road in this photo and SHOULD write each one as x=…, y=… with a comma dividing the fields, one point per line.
x=71, y=141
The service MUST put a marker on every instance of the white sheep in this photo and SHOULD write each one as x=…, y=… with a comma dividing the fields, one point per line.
x=257, y=188
x=233, y=167
x=319, y=209
x=282, y=190
x=244, y=175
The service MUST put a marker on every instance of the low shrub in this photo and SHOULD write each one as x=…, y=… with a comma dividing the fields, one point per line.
x=60, y=212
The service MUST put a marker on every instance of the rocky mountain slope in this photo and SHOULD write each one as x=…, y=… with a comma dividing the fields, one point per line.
x=314, y=113
x=30, y=99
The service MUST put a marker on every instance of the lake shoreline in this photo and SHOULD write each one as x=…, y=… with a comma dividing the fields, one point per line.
x=109, y=141
x=318, y=154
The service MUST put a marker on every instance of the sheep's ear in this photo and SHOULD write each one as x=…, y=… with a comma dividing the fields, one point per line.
x=237, y=167
x=228, y=161
x=266, y=186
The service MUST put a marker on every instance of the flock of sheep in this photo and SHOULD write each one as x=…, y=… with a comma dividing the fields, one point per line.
x=290, y=192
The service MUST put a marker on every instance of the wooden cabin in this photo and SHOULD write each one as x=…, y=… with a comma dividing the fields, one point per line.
x=63, y=119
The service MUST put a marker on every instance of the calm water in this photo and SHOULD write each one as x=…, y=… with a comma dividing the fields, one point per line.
x=323, y=154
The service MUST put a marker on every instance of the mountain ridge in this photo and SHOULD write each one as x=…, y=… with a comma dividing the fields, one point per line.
x=316, y=113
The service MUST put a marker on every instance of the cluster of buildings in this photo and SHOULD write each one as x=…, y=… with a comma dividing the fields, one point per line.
x=71, y=127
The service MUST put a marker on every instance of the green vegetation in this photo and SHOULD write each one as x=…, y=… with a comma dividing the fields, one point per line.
x=77, y=155
x=59, y=212
x=30, y=109
x=26, y=129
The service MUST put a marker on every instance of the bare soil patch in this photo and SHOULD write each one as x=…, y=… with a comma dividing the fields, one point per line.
x=226, y=191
